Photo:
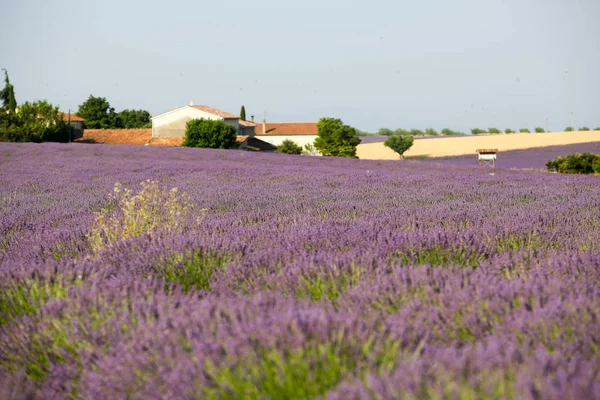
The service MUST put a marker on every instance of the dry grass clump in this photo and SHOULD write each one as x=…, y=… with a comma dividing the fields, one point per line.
x=151, y=209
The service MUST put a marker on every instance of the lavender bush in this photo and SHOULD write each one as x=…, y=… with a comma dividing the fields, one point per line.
x=293, y=277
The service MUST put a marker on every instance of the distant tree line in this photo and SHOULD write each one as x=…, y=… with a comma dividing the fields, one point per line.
x=98, y=114
x=41, y=121
x=586, y=163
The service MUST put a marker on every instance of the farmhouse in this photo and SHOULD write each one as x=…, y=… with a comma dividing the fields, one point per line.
x=275, y=133
x=76, y=122
x=172, y=123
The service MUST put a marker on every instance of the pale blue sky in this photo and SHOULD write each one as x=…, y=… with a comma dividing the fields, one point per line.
x=410, y=64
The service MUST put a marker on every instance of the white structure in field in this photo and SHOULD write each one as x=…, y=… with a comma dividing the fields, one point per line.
x=172, y=123
x=487, y=157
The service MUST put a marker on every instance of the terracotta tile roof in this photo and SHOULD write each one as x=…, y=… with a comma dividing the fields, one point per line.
x=255, y=144
x=247, y=123
x=215, y=111
x=74, y=118
x=287, y=128
x=116, y=136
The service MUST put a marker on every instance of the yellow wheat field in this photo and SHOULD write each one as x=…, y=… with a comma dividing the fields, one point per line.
x=457, y=146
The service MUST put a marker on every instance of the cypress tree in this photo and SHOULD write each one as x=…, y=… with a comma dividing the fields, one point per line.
x=7, y=95
x=243, y=113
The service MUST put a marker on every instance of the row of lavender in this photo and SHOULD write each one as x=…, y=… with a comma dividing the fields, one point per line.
x=296, y=278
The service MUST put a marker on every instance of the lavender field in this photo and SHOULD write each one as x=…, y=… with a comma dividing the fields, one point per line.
x=534, y=159
x=279, y=277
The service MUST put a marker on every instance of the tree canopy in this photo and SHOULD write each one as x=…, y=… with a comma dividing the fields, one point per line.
x=209, y=133
x=131, y=119
x=336, y=139
x=289, y=147
x=35, y=122
x=400, y=144
x=98, y=113
x=243, y=113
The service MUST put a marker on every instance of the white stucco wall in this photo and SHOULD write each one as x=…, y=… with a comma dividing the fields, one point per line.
x=276, y=140
x=172, y=123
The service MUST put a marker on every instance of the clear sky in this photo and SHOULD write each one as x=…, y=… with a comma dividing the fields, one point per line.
x=397, y=64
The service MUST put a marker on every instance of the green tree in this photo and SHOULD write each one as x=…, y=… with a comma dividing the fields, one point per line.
x=450, y=132
x=289, y=147
x=539, y=130
x=7, y=95
x=243, y=113
x=209, y=133
x=401, y=132
x=400, y=144
x=596, y=164
x=37, y=122
x=431, y=132
x=569, y=129
x=416, y=132
x=132, y=119
x=508, y=130
x=584, y=128
x=477, y=131
x=385, y=132
x=524, y=130
x=98, y=113
x=336, y=139
x=493, y=130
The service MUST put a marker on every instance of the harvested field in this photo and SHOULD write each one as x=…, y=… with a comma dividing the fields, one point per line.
x=535, y=158
x=457, y=146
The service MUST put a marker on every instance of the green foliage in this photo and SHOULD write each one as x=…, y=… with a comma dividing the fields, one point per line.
x=450, y=132
x=310, y=150
x=400, y=144
x=98, y=113
x=508, y=131
x=7, y=95
x=494, y=130
x=193, y=270
x=477, y=131
x=385, y=132
x=336, y=139
x=416, y=132
x=289, y=147
x=597, y=129
x=401, y=132
x=524, y=130
x=243, y=113
x=150, y=210
x=27, y=297
x=431, y=132
x=299, y=373
x=34, y=122
x=584, y=129
x=569, y=129
x=132, y=119
x=539, y=130
x=214, y=134
x=586, y=163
